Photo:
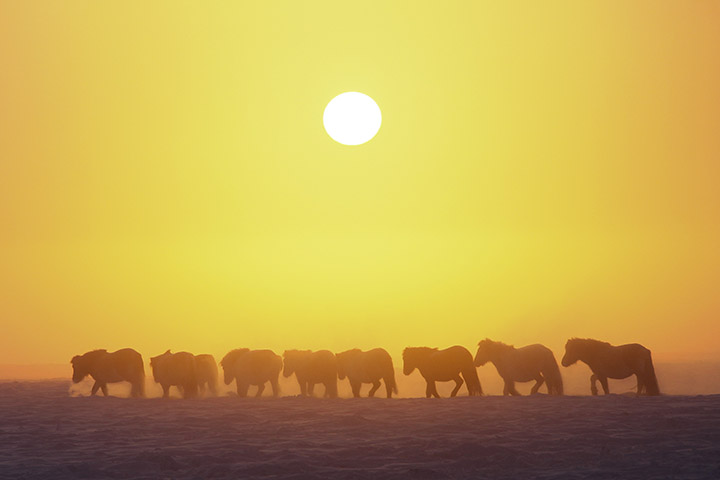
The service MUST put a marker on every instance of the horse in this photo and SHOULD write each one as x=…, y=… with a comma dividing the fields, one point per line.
x=176, y=369
x=311, y=368
x=367, y=367
x=609, y=361
x=124, y=365
x=207, y=373
x=252, y=367
x=442, y=366
x=533, y=362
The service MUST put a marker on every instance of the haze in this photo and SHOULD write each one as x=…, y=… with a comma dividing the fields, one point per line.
x=166, y=182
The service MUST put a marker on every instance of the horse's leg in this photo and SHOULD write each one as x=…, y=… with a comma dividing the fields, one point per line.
x=355, y=386
x=429, y=389
x=260, y=390
x=593, y=386
x=275, y=387
x=458, y=384
x=242, y=388
x=511, y=388
x=310, y=388
x=604, y=383
x=166, y=391
x=434, y=391
x=388, y=388
x=506, y=389
x=303, y=388
x=95, y=388
x=376, y=384
x=331, y=388
x=539, y=380
x=640, y=384
x=103, y=387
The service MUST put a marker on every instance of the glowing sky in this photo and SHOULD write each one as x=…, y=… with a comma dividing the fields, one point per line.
x=543, y=170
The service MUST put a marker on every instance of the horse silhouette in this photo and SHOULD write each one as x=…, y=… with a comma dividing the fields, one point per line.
x=442, y=366
x=311, y=368
x=207, y=373
x=533, y=362
x=252, y=367
x=176, y=369
x=124, y=365
x=367, y=367
x=609, y=361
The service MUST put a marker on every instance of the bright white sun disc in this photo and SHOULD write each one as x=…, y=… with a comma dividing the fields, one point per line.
x=352, y=118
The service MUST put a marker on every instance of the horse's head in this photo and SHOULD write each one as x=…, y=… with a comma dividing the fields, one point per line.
x=156, y=361
x=413, y=357
x=80, y=368
x=228, y=362
x=343, y=360
x=83, y=364
x=483, y=352
x=571, y=353
x=292, y=360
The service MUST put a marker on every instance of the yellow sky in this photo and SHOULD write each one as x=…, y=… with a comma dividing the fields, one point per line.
x=542, y=171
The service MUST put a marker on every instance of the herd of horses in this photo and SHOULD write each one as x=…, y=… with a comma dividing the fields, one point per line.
x=195, y=374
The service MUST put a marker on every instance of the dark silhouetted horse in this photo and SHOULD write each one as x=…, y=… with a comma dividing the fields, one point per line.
x=176, y=369
x=533, y=362
x=252, y=367
x=367, y=367
x=125, y=365
x=618, y=362
x=311, y=368
x=443, y=366
x=207, y=373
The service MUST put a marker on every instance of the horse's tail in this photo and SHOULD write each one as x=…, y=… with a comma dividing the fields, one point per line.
x=650, y=382
x=141, y=382
x=390, y=379
x=137, y=384
x=213, y=380
x=191, y=380
x=553, y=377
x=472, y=380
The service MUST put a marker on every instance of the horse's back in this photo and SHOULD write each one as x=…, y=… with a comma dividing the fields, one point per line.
x=322, y=365
x=206, y=367
x=454, y=353
x=125, y=364
x=177, y=369
x=259, y=366
x=374, y=364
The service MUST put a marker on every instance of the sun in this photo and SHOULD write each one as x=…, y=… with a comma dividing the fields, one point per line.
x=352, y=118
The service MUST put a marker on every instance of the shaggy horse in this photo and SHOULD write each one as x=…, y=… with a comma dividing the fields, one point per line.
x=442, y=366
x=207, y=373
x=252, y=367
x=125, y=365
x=367, y=367
x=176, y=369
x=608, y=361
x=311, y=368
x=533, y=362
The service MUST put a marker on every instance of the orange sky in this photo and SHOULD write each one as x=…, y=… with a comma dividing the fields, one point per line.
x=543, y=171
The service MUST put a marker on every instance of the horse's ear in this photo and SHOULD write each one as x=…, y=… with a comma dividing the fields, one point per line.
x=167, y=352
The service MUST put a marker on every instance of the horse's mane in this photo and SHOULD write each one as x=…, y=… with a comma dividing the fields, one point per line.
x=415, y=350
x=352, y=351
x=494, y=344
x=91, y=355
x=295, y=353
x=232, y=355
x=588, y=342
